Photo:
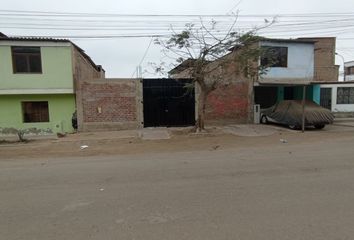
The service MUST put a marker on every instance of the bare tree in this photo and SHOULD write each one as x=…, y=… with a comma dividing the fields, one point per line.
x=206, y=53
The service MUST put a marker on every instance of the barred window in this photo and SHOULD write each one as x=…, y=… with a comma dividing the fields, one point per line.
x=345, y=95
x=274, y=56
x=35, y=112
x=349, y=70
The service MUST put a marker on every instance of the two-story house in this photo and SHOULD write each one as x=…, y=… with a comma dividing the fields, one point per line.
x=291, y=65
x=299, y=62
x=37, y=83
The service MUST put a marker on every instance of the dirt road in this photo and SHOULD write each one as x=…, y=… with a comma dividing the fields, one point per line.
x=216, y=187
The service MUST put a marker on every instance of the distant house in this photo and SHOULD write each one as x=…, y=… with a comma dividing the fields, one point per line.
x=349, y=71
x=338, y=97
x=295, y=63
x=38, y=83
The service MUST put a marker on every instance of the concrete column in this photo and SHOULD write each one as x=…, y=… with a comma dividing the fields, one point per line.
x=139, y=103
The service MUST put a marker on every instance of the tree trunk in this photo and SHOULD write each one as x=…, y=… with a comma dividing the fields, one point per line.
x=200, y=123
x=21, y=134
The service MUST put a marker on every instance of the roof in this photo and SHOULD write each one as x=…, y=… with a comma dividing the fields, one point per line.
x=87, y=57
x=349, y=64
x=296, y=40
x=182, y=66
x=334, y=82
x=4, y=37
x=188, y=63
x=279, y=40
x=315, y=38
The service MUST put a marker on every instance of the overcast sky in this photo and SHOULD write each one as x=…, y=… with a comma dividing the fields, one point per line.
x=120, y=56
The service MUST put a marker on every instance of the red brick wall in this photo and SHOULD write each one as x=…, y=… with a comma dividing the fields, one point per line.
x=229, y=103
x=116, y=100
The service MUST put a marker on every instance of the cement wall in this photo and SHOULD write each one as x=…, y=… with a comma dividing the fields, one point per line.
x=300, y=68
x=335, y=106
x=56, y=75
x=349, y=78
x=60, y=108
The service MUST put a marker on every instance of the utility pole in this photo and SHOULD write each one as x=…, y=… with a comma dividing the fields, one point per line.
x=139, y=72
x=343, y=65
x=303, y=108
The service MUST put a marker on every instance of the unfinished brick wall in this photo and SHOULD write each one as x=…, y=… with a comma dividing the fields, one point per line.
x=325, y=68
x=84, y=70
x=110, y=104
x=229, y=103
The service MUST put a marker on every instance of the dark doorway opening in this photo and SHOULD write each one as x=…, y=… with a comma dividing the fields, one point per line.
x=265, y=96
x=168, y=103
x=289, y=93
x=326, y=98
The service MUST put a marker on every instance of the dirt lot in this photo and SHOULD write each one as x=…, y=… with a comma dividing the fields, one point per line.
x=189, y=187
x=113, y=143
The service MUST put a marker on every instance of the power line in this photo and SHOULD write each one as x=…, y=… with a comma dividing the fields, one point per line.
x=234, y=7
x=225, y=27
x=151, y=26
x=145, y=54
x=129, y=25
x=77, y=14
x=160, y=24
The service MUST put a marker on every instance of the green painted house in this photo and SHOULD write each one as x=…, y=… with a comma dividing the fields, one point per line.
x=37, y=83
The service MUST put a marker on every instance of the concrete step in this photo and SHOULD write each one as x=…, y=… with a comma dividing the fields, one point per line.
x=343, y=115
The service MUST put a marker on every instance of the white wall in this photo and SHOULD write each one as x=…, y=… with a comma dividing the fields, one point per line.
x=300, y=64
x=349, y=78
x=339, y=107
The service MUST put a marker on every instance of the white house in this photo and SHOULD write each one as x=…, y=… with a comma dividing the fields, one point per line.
x=338, y=96
x=291, y=65
x=293, y=61
x=349, y=71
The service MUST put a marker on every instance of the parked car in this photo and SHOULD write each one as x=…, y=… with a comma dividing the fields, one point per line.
x=289, y=113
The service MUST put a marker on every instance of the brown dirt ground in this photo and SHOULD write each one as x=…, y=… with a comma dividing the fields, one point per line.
x=70, y=146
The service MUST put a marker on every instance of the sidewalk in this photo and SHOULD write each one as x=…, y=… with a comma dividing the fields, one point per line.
x=164, y=140
x=162, y=133
x=347, y=122
x=252, y=130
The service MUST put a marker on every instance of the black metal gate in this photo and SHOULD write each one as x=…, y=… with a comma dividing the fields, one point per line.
x=168, y=103
x=326, y=98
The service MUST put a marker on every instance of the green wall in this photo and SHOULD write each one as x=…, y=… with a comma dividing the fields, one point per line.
x=56, y=68
x=280, y=94
x=61, y=108
x=299, y=91
x=316, y=93
x=312, y=93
